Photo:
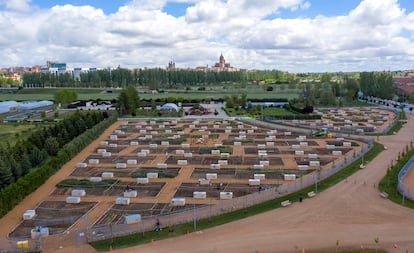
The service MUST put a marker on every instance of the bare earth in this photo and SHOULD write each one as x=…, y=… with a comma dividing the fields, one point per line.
x=351, y=212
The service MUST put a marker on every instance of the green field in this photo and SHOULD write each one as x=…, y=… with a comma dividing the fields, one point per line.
x=216, y=95
x=48, y=94
x=277, y=112
x=210, y=92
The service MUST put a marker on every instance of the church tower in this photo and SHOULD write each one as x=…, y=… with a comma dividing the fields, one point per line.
x=222, y=61
x=171, y=65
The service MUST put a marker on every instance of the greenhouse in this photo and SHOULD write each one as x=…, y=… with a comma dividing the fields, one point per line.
x=7, y=105
x=170, y=106
x=30, y=105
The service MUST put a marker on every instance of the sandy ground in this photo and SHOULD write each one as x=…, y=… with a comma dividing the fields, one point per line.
x=351, y=212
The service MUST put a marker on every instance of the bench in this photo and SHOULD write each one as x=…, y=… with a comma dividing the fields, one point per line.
x=384, y=195
x=311, y=194
x=285, y=203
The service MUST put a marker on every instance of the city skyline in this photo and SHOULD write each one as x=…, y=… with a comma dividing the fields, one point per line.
x=290, y=35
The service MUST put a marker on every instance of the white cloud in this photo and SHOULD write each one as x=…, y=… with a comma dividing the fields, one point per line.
x=376, y=35
x=147, y=4
x=17, y=5
x=218, y=11
x=305, y=5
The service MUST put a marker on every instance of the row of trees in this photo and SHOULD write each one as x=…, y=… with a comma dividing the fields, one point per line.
x=8, y=82
x=152, y=78
x=49, y=158
x=377, y=84
x=328, y=93
x=16, y=161
x=236, y=101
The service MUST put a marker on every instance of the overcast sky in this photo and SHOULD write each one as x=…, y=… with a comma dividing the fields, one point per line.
x=289, y=35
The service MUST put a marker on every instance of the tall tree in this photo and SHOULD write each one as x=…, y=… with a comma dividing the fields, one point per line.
x=128, y=100
x=65, y=96
x=351, y=87
x=51, y=146
x=377, y=84
x=6, y=175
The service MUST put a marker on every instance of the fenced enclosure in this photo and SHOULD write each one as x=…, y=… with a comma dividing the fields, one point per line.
x=196, y=212
x=113, y=220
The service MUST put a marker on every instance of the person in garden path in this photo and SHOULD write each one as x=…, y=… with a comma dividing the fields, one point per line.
x=158, y=225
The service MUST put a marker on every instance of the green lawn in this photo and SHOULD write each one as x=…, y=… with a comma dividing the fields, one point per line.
x=216, y=92
x=50, y=96
x=390, y=182
x=277, y=112
x=52, y=90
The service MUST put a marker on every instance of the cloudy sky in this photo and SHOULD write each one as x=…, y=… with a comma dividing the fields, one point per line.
x=290, y=35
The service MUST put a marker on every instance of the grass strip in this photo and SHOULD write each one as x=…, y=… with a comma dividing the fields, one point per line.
x=395, y=128
x=390, y=182
x=181, y=229
x=398, y=125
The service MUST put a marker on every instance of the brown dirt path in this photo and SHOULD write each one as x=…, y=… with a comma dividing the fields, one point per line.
x=9, y=221
x=351, y=211
x=172, y=185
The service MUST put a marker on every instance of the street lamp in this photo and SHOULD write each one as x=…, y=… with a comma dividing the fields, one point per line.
x=318, y=171
x=170, y=229
x=195, y=217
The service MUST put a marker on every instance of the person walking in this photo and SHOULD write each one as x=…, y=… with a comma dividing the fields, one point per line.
x=158, y=225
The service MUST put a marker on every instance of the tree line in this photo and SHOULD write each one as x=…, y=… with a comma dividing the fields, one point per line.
x=329, y=93
x=30, y=162
x=8, y=82
x=377, y=84
x=153, y=78
x=17, y=160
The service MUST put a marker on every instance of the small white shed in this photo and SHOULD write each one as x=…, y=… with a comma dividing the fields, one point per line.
x=132, y=218
x=73, y=199
x=289, y=177
x=29, y=214
x=122, y=201
x=210, y=176
x=78, y=192
x=254, y=181
x=142, y=180
x=199, y=195
x=178, y=201
x=226, y=195
x=130, y=194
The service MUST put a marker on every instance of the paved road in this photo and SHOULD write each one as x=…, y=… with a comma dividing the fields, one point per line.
x=351, y=212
